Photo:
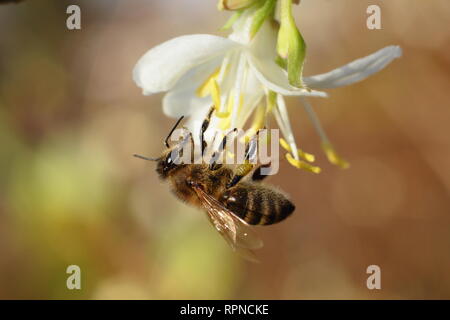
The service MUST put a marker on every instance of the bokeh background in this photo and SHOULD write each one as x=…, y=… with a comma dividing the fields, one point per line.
x=71, y=193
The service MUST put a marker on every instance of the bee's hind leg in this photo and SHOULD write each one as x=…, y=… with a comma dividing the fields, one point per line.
x=244, y=169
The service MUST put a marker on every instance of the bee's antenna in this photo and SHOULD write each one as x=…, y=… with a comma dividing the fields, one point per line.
x=166, y=142
x=145, y=158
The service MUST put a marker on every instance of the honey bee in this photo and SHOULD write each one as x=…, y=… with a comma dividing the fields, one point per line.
x=233, y=199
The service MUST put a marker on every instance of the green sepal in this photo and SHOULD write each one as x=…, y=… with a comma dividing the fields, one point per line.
x=232, y=20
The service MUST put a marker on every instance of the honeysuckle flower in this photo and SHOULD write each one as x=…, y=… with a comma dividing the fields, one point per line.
x=240, y=76
x=232, y=73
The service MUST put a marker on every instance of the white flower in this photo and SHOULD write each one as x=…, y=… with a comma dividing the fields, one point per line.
x=240, y=75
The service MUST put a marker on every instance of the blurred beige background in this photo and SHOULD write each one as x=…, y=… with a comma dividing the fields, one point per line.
x=70, y=192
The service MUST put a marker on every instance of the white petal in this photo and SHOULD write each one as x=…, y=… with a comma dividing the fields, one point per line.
x=355, y=71
x=182, y=99
x=275, y=78
x=183, y=103
x=162, y=66
x=195, y=121
x=253, y=92
x=282, y=118
x=264, y=43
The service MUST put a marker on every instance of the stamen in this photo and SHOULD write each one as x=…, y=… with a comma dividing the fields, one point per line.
x=331, y=154
x=333, y=157
x=204, y=88
x=271, y=100
x=239, y=84
x=302, y=154
x=223, y=110
x=258, y=122
x=230, y=155
x=225, y=122
x=302, y=164
x=268, y=137
x=282, y=118
x=211, y=87
x=214, y=89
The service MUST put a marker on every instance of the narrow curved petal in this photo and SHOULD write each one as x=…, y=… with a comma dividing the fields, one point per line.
x=354, y=71
x=282, y=118
x=162, y=66
x=275, y=78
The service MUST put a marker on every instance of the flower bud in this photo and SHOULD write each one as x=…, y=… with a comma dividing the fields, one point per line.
x=234, y=4
x=290, y=44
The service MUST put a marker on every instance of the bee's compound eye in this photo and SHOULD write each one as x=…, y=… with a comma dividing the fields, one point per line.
x=169, y=161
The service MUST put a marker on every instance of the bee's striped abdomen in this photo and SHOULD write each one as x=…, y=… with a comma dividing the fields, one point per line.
x=257, y=204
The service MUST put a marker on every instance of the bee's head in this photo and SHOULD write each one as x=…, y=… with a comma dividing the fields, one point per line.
x=167, y=163
x=169, y=160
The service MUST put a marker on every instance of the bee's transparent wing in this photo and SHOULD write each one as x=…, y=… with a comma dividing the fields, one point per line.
x=238, y=234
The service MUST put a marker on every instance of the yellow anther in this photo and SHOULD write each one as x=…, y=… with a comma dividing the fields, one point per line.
x=302, y=154
x=204, y=88
x=211, y=87
x=333, y=157
x=214, y=90
x=302, y=164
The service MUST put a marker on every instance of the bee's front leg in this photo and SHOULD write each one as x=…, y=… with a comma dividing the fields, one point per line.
x=213, y=163
x=205, y=126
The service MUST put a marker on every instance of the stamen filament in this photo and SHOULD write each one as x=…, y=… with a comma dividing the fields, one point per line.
x=224, y=123
x=331, y=154
x=223, y=110
x=258, y=122
x=238, y=98
x=281, y=114
x=270, y=100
